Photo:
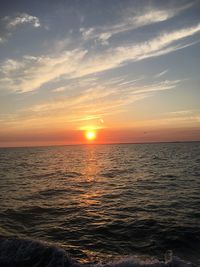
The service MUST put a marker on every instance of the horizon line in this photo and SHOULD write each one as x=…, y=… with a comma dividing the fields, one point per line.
x=97, y=144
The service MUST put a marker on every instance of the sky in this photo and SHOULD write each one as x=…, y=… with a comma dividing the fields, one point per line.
x=129, y=70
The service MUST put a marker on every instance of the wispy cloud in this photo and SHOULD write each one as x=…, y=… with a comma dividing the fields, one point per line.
x=30, y=73
x=133, y=19
x=91, y=105
x=180, y=113
x=2, y=39
x=183, y=118
x=156, y=45
x=160, y=74
x=59, y=89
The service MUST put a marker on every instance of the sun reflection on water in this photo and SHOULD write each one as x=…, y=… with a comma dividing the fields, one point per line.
x=91, y=179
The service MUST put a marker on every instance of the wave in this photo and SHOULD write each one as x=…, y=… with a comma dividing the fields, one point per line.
x=15, y=252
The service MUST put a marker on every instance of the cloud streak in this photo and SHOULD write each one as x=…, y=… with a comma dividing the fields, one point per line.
x=89, y=106
x=162, y=73
x=30, y=73
x=132, y=20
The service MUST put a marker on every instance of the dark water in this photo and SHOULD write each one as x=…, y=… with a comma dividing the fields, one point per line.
x=106, y=201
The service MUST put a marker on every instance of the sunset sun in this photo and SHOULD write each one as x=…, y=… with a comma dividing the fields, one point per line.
x=90, y=135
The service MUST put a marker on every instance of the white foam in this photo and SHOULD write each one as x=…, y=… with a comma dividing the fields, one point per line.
x=170, y=261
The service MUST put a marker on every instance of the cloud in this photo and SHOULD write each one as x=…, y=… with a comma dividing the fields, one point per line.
x=132, y=20
x=180, y=113
x=164, y=85
x=59, y=89
x=1, y=39
x=182, y=118
x=9, y=23
x=12, y=22
x=115, y=57
x=91, y=105
x=160, y=74
x=31, y=72
x=86, y=33
x=158, y=44
x=187, y=120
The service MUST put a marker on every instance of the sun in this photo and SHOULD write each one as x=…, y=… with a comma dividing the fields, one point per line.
x=90, y=135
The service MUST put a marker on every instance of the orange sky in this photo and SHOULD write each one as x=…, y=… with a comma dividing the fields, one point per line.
x=103, y=136
x=133, y=76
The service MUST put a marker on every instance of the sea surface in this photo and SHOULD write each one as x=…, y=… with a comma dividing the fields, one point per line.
x=104, y=202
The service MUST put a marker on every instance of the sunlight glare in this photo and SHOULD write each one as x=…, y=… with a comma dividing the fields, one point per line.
x=90, y=135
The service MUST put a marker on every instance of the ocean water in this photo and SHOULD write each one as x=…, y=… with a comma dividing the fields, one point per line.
x=103, y=202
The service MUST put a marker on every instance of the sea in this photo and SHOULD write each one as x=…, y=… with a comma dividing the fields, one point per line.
x=97, y=204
